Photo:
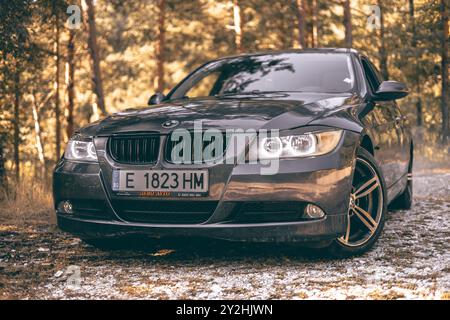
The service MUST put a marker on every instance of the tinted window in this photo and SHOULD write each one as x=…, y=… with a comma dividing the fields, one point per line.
x=294, y=72
x=376, y=71
x=372, y=75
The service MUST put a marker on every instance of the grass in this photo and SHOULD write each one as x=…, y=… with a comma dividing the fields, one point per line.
x=27, y=202
x=446, y=295
x=430, y=153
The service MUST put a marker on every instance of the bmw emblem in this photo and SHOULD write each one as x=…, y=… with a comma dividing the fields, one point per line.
x=170, y=124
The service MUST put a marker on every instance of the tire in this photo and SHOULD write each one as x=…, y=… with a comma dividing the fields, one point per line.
x=367, y=209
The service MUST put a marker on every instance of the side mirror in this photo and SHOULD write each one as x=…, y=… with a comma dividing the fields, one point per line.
x=157, y=98
x=391, y=90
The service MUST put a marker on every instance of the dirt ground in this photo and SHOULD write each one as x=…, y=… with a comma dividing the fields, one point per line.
x=411, y=260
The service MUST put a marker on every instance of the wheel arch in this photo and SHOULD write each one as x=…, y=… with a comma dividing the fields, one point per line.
x=367, y=144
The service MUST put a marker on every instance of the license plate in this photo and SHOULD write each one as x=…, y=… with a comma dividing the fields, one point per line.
x=161, y=182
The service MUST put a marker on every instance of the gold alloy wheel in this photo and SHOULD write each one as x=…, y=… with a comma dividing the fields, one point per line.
x=365, y=206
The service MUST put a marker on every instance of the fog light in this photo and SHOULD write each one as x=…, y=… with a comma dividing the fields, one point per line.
x=67, y=207
x=314, y=212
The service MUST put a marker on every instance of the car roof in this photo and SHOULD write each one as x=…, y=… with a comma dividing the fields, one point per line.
x=308, y=50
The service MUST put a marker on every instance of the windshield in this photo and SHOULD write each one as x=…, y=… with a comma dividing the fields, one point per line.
x=283, y=72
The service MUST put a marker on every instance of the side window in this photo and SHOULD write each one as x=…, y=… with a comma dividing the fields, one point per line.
x=204, y=86
x=376, y=72
x=371, y=76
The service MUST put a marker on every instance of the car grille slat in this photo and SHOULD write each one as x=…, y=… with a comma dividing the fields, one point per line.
x=167, y=212
x=145, y=149
x=170, y=144
x=142, y=149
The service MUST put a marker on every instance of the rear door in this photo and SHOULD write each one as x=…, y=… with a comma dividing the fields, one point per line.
x=404, y=140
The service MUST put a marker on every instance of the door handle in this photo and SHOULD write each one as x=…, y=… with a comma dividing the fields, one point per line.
x=398, y=120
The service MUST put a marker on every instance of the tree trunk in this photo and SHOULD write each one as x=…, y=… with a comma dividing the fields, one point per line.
x=315, y=27
x=444, y=67
x=414, y=47
x=56, y=87
x=301, y=23
x=413, y=24
x=2, y=163
x=70, y=75
x=17, y=94
x=382, y=48
x=160, y=46
x=348, y=24
x=419, y=111
x=309, y=28
x=238, y=26
x=94, y=54
x=37, y=133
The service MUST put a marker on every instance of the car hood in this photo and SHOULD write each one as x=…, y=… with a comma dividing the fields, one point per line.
x=274, y=111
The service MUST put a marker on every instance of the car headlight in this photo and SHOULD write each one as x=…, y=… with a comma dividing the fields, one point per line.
x=303, y=145
x=80, y=148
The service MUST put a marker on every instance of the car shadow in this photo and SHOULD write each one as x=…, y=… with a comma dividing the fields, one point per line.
x=203, y=249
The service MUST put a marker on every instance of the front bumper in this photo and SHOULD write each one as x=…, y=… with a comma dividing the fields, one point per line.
x=324, y=181
x=319, y=230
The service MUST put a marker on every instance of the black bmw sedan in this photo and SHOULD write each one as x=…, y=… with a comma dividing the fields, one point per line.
x=303, y=146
